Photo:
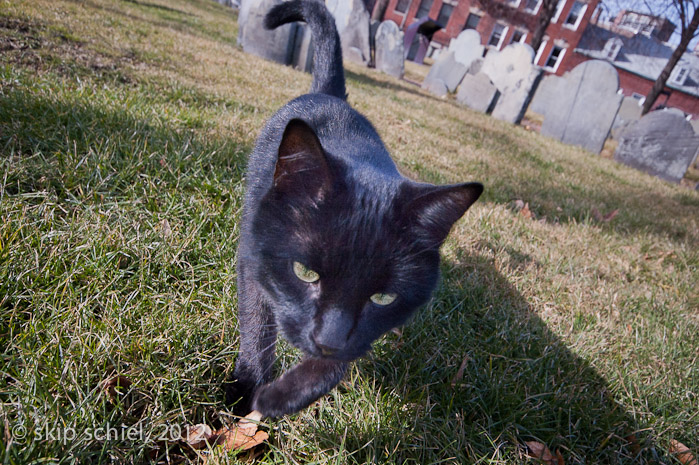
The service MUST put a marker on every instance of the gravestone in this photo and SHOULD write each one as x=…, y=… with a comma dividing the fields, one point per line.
x=629, y=112
x=276, y=45
x=477, y=92
x=436, y=87
x=353, y=21
x=662, y=143
x=579, y=107
x=243, y=11
x=447, y=70
x=514, y=75
x=466, y=47
x=389, y=49
x=302, y=54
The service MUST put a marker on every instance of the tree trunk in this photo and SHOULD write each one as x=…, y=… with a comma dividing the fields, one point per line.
x=659, y=84
x=543, y=19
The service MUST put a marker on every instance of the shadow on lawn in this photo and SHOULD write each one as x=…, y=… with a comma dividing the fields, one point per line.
x=86, y=146
x=519, y=383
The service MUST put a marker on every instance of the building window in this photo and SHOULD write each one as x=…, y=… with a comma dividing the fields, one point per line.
x=559, y=8
x=513, y=3
x=402, y=6
x=499, y=31
x=641, y=99
x=472, y=21
x=680, y=76
x=424, y=9
x=532, y=6
x=444, y=14
x=575, y=14
x=555, y=58
x=518, y=37
x=612, y=48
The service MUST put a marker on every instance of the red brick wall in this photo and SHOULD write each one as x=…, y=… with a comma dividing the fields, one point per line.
x=485, y=26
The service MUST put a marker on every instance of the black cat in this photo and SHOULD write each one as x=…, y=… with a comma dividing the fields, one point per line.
x=336, y=246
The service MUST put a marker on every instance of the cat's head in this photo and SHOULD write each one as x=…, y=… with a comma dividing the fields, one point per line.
x=345, y=261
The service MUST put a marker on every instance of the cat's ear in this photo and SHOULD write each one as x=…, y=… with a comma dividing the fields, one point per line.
x=302, y=166
x=433, y=210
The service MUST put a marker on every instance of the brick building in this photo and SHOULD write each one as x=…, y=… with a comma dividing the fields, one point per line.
x=639, y=54
x=502, y=22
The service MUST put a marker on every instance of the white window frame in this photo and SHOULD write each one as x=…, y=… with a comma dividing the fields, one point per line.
x=680, y=76
x=540, y=52
x=505, y=30
x=583, y=10
x=523, y=39
x=641, y=99
x=559, y=9
x=513, y=3
x=536, y=8
x=554, y=68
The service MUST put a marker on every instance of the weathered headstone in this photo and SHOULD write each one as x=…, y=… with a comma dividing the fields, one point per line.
x=477, y=92
x=302, y=54
x=466, y=47
x=447, y=70
x=579, y=107
x=629, y=112
x=389, y=49
x=662, y=143
x=352, y=20
x=436, y=87
x=276, y=45
x=513, y=73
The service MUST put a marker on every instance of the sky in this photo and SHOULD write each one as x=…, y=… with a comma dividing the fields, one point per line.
x=656, y=7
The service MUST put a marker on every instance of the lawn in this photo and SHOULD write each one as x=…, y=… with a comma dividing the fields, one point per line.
x=124, y=131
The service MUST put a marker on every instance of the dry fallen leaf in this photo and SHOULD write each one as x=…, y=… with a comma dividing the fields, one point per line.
x=115, y=386
x=682, y=452
x=604, y=218
x=165, y=228
x=198, y=435
x=244, y=435
x=460, y=372
x=539, y=451
x=526, y=212
x=633, y=444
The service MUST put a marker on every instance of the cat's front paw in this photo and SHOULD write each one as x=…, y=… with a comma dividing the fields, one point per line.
x=272, y=402
x=239, y=395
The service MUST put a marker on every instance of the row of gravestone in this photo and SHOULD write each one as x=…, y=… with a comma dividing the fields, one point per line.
x=579, y=108
x=292, y=44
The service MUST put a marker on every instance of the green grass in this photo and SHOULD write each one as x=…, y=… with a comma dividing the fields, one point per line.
x=124, y=131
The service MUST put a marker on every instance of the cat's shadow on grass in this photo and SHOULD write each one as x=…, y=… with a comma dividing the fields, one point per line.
x=479, y=370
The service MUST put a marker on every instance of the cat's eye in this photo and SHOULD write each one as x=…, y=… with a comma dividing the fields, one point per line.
x=383, y=299
x=304, y=273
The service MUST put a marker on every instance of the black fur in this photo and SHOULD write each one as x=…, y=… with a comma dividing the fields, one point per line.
x=322, y=190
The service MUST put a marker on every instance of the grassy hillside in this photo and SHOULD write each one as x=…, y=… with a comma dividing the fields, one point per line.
x=124, y=131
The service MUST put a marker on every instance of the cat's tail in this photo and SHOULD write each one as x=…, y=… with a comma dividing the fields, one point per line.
x=328, y=74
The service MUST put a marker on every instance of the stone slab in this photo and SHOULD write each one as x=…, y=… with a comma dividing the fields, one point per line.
x=515, y=76
x=662, y=143
x=467, y=47
x=447, y=70
x=276, y=45
x=353, y=23
x=477, y=92
x=579, y=107
x=390, y=55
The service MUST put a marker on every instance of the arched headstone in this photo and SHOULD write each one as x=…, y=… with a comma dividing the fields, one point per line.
x=514, y=75
x=662, y=143
x=466, y=47
x=579, y=107
x=390, y=55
